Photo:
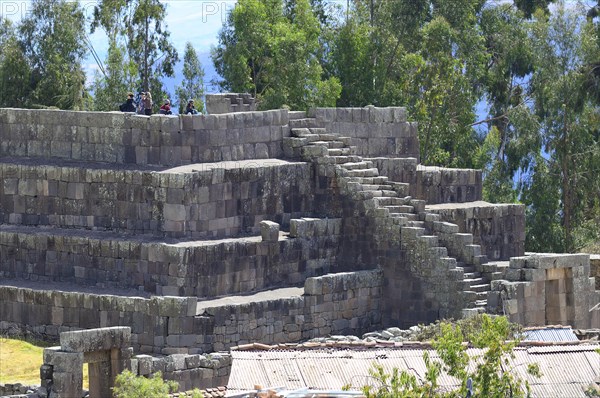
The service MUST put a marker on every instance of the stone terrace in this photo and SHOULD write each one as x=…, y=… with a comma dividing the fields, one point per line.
x=205, y=232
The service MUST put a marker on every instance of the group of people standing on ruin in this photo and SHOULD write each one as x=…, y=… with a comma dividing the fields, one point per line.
x=144, y=107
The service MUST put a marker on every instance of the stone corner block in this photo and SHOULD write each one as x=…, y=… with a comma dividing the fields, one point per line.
x=269, y=231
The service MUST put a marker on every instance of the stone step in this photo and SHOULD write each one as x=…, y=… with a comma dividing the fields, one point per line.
x=494, y=276
x=304, y=123
x=391, y=201
x=473, y=250
x=379, y=180
x=367, y=164
x=329, y=144
x=420, y=224
x=403, y=189
x=371, y=172
x=480, y=260
x=376, y=187
x=438, y=251
x=318, y=131
x=472, y=281
x=399, y=208
x=449, y=263
x=407, y=216
x=370, y=194
x=324, y=136
x=301, y=132
x=346, y=140
x=484, y=287
x=445, y=227
x=309, y=137
x=411, y=233
x=430, y=240
x=469, y=269
x=364, y=195
x=465, y=239
x=481, y=304
x=346, y=159
x=472, y=312
x=342, y=151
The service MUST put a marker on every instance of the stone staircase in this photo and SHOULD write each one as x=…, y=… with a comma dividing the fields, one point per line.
x=335, y=157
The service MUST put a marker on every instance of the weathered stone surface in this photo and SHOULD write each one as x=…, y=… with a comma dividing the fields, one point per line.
x=96, y=339
x=269, y=231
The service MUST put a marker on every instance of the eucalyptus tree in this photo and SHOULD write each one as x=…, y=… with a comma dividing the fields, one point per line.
x=51, y=36
x=192, y=85
x=141, y=24
x=274, y=56
x=117, y=77
x=15, y=74
x=569, y=118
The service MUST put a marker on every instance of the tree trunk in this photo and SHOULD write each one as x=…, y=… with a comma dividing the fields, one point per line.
x=146, y=71
x=567, y=196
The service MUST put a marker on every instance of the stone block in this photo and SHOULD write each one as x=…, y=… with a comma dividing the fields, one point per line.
x=96, y=339
x=269, y=231
x=175, y=362
x=69, y=362
x=144, y=364
x=192, y=361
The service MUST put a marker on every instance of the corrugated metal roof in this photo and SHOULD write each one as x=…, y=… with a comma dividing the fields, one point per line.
x=550, y=334
x=566, y=370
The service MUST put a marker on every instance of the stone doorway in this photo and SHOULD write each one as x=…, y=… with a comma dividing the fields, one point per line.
x=106, y=351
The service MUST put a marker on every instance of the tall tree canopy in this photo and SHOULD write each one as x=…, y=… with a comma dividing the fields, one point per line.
x=52, y=38
x=274, y=55
x=192, y=86
x=15, y=72
x=142, y=24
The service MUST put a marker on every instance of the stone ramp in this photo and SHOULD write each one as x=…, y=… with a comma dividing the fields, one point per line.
x=267, y=295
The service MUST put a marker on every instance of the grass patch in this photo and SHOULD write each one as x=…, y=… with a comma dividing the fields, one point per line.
x=20, y=362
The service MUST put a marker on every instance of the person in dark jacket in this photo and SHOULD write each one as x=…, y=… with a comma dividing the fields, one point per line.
x=128, y=106
x=189, y=109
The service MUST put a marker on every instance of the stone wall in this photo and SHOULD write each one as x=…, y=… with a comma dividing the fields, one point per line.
x=229, y=102
x=10, y=389
x=498, y=228
x=192, y=201
x=198, y=268
x=347, y=303
x=189, y=371
x=443, y=185
x=595, y=269
x=547, y=289
x=433, y=184
x=116, y=137
x=374, y=131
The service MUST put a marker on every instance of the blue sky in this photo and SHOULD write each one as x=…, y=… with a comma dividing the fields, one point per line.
x=196, y=21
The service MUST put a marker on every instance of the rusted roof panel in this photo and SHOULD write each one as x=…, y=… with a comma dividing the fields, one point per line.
x=566, y=370
x=550, y=334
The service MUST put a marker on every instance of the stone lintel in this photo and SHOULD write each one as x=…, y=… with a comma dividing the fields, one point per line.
x=90, y=340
